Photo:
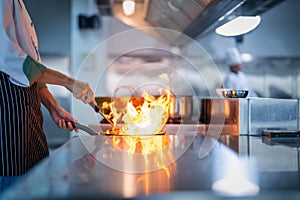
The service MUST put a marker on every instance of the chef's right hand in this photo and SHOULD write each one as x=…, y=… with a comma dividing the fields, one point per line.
x=83, y=91
x=62, y=118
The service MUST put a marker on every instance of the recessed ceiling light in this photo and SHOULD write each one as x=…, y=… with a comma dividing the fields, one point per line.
x=128, y=7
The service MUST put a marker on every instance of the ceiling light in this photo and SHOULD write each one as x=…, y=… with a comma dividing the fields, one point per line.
x=238, y=26
x=128, y=7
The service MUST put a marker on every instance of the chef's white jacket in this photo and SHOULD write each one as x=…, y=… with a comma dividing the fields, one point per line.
x=19, y=56
x=238, y=81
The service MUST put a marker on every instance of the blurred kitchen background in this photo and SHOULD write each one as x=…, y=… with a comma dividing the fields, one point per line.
x=271, y=52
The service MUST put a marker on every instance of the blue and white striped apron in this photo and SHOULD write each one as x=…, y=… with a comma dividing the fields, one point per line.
x=22, y=140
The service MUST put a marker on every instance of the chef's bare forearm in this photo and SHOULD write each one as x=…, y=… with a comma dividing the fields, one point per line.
x=47, y=99
x=54, y=77
x=37, y=72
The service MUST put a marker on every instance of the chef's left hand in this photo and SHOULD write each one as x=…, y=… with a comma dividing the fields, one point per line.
x=83, y=91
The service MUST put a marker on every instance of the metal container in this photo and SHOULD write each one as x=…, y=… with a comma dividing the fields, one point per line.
x=228, y=93
x=181, y=107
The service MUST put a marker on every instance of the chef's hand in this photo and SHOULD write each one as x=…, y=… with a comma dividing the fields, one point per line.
x=58, y=113
x=83, y=92
x=60, y=116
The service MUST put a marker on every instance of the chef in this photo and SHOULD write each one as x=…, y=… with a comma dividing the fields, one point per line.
x=23, y=80
x=236, y=79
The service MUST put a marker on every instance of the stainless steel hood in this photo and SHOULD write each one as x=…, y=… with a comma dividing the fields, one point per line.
x=193, y=18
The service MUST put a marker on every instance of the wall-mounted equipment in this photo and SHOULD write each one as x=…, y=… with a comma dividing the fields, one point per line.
x=89, y=22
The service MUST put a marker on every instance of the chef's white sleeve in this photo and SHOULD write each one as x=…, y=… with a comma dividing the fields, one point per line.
x=22, y=69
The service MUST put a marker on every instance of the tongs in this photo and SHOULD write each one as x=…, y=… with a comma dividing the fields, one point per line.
x=98, y=110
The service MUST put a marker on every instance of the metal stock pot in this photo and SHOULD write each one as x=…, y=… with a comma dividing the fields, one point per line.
x=181, y=107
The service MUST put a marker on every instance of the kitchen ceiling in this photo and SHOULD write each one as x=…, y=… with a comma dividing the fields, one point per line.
x=193, y=18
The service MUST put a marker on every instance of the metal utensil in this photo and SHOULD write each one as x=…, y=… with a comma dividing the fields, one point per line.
x=98, y=110
x=83, y=127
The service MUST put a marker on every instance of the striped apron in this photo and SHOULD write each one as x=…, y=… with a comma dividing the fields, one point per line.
x=22, y=140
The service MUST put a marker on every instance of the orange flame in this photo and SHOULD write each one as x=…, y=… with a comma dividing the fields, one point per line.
x=155, y=150
x=144, y=115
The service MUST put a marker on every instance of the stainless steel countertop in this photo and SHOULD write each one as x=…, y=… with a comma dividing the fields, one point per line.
x=93, y=167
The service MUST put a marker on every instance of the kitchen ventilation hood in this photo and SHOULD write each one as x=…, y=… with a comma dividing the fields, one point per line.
x=193, y=18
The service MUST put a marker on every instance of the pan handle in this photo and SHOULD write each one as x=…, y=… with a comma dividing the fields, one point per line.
x=82, y=127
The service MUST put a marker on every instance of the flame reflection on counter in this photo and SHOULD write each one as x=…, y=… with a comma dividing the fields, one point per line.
x=157, y=156
x=154, y=149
